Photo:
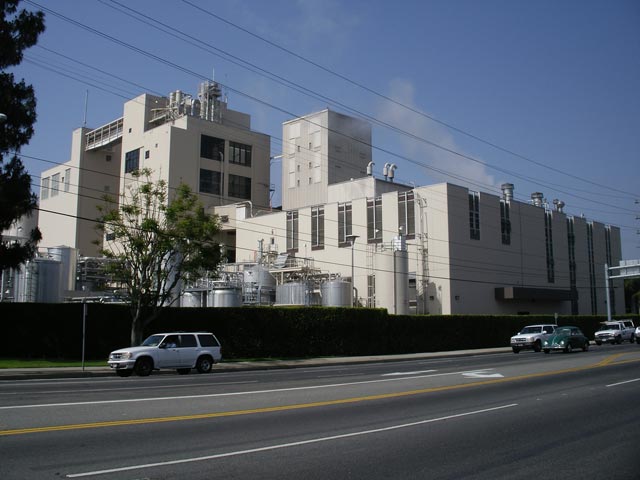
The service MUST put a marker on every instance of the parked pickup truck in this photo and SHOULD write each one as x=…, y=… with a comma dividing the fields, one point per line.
x=531, y=337
x=615, y=332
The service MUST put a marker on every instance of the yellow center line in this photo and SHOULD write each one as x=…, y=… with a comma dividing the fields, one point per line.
x=611, y=360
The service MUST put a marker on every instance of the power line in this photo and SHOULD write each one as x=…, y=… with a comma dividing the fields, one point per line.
x=260, y=101
x=396, y=102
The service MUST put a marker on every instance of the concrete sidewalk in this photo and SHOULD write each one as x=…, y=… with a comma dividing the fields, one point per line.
x=78, y=372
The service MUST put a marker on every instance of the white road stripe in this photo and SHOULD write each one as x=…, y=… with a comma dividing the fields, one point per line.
x=229, y=394
x=287, y=445
x=407, y=373
x=622, y=383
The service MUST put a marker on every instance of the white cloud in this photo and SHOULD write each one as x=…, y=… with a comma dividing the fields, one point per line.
x=460, y=170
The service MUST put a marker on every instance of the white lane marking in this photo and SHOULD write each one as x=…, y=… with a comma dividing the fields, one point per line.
x=288, y=445
x=622, y=383
x=407, y=373
x=125, y=389
x=229, y=394
x=482, y=374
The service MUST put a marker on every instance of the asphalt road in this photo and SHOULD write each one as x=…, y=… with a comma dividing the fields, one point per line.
x=481, y=417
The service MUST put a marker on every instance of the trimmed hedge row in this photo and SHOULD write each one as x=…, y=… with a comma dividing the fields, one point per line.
x=55, y=330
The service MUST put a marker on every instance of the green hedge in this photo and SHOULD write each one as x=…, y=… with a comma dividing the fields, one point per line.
x=54, y=331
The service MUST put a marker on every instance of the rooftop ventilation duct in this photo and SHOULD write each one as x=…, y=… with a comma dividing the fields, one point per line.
x=537, y=199
x=370, y=169
x=507, y=191
x=559, y=205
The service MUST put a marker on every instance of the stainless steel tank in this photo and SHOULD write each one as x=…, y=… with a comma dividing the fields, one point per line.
x=224, y=297
x=336, y=293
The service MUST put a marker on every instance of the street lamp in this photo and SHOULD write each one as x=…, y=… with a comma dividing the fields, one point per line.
x=352, y=240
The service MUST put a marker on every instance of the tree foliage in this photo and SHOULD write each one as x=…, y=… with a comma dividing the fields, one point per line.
x=158, y=240
x=18, y=30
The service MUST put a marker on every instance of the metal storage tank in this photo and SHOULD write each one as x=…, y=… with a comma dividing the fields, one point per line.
x=336, y=293
x=392, y=278
x=259, y=286
x=224, y=297
x=69, y=258
x=39, y=280
x=193, y=298
x=296, y=293
x=259, y=275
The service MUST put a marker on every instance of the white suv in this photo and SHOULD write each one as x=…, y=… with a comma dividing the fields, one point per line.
x=180, y=350
x=531, y=337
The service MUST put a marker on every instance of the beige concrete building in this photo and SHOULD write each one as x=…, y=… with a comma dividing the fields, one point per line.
x=439, y=249
x=466, y=252
x=182, y=138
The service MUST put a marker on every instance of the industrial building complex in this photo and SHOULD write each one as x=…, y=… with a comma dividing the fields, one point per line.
x=347, y=233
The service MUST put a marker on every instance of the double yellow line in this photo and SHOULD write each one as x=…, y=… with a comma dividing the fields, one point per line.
x=612, y=360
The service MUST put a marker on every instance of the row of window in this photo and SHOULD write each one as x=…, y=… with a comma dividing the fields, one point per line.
x=210, y=147
x=50, y=186
x=211, y=182
x=213, y=149
x=406, y=220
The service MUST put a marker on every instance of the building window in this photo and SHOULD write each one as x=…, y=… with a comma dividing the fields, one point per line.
x=108, y=158
x=374, y=220
x=240, y=187
x=571, y=241
x=505, y=222
x=240, y=154
x=344, y=224
x=548, y=238
x=147, y=154
x=406, y=214
x=45, y=188
x=55, y=184
x=67, y=179
x=474, y=215
x=132, y=161
x=210, y=181
x=211, y=147
x=592, y=270
x=317, y=228
x=292, y=231
x=371, y=291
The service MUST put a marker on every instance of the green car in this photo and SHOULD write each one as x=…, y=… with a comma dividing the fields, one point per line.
x=566, y=339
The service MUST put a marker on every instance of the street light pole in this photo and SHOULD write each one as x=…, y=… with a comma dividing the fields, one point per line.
x=352, y=239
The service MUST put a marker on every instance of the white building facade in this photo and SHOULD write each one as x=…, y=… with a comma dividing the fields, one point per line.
x=437, y=249
x=182, y=139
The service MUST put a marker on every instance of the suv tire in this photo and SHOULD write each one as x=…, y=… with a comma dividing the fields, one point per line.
x=204, y=364
x=143, y=367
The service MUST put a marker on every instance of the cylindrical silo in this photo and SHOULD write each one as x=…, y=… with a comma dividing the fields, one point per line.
x=336, y=293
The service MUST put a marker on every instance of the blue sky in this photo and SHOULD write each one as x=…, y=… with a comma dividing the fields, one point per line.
x=553, y=84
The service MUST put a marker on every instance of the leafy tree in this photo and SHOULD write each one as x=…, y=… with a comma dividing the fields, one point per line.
x=18, y=31
x=157, y=242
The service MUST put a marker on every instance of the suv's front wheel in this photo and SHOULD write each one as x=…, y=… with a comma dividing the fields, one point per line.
x=204, y=364
x=143, y=367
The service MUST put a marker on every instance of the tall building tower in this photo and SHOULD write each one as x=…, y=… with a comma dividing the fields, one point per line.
x=318, y=150
x=188, y=139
